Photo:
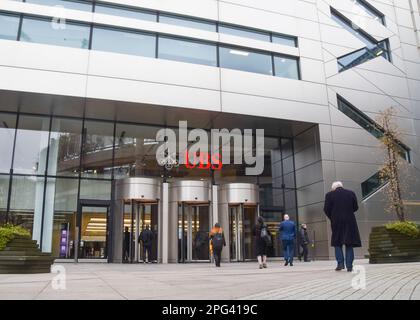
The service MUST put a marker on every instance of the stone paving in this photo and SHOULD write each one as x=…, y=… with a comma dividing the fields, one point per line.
x=314, y=280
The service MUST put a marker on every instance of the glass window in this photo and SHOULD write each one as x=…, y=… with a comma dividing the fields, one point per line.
x=98, y=143
x=244, y=60
x=368, y=40
x=26, y=203
x=245, y=33
x=4, y=192
x=286, y=67
x=369, y=125
x=371, y=185
x=285, y=40
x=9, y=26
x=95, y=190
x=135, y=151
x=187, y=51
x=187, y=22
x=125, y=12
x=65, y=144
x=31, y=145
x=76, y=5
x=64, y=220
x=47, y=32
x=361, y=7
x=7, y=137
x=126, y=42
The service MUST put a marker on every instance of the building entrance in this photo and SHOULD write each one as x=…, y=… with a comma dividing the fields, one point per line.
x=142, y=221
x=242, y=220
x=193, y=232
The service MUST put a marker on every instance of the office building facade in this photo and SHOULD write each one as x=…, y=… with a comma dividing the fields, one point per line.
x=86, y=86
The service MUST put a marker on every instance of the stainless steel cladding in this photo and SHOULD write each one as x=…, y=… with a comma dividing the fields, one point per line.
x=235, y=193
x=147, y=189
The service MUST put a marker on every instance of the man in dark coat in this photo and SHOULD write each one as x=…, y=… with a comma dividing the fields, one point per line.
x=340, y=206
x=304, y=242
x=146, y=236
x=126, y=245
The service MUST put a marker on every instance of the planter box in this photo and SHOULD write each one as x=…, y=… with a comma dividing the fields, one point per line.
x=22, y=255
x=389, y=246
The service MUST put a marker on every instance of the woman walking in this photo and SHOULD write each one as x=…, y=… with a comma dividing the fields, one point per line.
x=263, y=240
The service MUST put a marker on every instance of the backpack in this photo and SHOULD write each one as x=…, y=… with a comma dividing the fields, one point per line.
x=265, y=235
x=217, y=241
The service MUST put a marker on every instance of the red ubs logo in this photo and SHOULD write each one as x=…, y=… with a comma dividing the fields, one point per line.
x=204, y=161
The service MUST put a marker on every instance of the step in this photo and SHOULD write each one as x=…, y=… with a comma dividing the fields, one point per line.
x=24, y=253
x=25, y=270
x=25, y=258
x=23, y=240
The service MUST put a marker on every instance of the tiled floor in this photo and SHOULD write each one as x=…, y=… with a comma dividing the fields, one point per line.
x=314, y=280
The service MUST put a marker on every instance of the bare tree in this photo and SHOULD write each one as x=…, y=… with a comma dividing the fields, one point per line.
x=391, y=169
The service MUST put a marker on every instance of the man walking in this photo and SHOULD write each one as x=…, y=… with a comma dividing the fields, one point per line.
x=146, y=237
x=303, y=242
x=288, y=235
x=217, y=242
x=340, y=206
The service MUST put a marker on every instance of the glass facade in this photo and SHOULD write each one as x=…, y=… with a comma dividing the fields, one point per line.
x=125, y=12
x=368, y=124
x=68, y=4
x=126, y=42
x=187, y=51
x=286, y=67
x=187, y=22
x=244, y=32
x=59, y=163
x=50, y=32
x=245, y=60
x=7, y=137
x=285, y=40
x=9, y=26
x=372, y=50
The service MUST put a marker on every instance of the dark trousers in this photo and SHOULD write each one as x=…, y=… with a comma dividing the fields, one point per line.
x=288, y=250
x=217, y=253
x=147, y=249
x=348, y=261
x=304, y=251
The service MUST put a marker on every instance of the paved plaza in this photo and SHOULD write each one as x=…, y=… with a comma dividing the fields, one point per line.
x=314, y=280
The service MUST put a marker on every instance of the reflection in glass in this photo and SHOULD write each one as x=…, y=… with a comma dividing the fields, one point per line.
x=65, y=144
x=286, y=67
x=187, y=22
x=44, y=31
x=187, y=51
x=98, y=143
x=245, y=60
x=31, y=145
x=75, y=5
x=64, y=221
x=125, y=12
x=135, y=151
x=26, y=203
x=244, y=32
x=93, y=233
x=285, y=40
x=9, y=26
x=95, y=189
x=126, y=42
x=4, y=191
x=7, y=137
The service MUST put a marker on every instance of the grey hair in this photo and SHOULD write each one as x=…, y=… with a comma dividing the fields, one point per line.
x=336, y=184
